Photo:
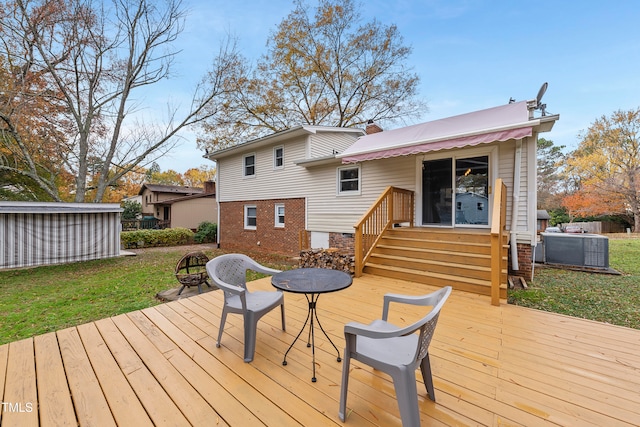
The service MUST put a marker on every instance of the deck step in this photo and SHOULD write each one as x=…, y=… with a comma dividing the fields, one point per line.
x=439, y=257
x=482, y=272
x=433, y=254
x=482, y=287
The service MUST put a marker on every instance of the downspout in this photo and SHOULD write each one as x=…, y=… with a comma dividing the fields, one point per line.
x=217, y=203
x=515, y=203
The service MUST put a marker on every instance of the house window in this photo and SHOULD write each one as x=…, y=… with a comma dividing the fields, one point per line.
x=279, y=215
x=278, y=158
x=250, y=217
x=249, y=163
x=349, y=180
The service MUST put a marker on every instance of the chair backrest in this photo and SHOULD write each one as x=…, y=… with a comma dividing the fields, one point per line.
x=438, y=299
x=427, y=325
x=229, y=269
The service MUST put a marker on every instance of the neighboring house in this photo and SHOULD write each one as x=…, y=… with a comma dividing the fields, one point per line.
x=178, y=206
x=325, y=187
x=135, y=199
x=472, y=208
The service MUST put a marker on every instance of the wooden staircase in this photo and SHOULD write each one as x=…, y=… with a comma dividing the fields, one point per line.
x=439, y=257
x=473, y=260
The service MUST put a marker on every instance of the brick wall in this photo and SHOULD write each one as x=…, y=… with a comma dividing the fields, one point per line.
x=342, y=241
x=266, y=237
x=525, y=262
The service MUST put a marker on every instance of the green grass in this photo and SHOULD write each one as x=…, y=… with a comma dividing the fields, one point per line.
x=43, y=299
x=602, y=297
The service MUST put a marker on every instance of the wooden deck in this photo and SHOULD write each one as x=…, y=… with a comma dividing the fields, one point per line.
x=492, y=366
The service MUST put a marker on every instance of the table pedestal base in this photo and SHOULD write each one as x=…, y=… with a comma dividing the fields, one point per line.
x=311, y=315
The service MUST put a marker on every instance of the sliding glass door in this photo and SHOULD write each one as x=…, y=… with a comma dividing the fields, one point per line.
x=455, y=191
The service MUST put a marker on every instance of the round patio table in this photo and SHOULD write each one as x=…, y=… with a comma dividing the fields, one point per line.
x=311, y=282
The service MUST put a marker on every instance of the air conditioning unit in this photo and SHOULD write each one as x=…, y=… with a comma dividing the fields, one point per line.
x=583, y=250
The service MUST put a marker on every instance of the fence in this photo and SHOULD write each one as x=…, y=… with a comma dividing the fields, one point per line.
x=147, y=223
x=598, y=227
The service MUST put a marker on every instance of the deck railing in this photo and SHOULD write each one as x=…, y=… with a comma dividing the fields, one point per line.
x=498, y=230
x=395, y=205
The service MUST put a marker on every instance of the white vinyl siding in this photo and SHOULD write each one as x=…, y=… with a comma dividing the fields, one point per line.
x=324, y=144
x=329, y=213
x=524, y=230
x=271, y=184
x=292, y=181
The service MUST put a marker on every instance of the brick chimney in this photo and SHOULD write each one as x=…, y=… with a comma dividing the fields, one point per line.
x=372, y=128
x=209, y=187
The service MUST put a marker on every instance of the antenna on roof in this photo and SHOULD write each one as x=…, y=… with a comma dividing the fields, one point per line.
x=540, y=106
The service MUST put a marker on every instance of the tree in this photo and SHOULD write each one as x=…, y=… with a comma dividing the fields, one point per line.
x=592, y=200
x=131, y=210
x=169, y=177
x=82, y=63
x=550, y=159
x=606, y=167
x=325, y=69
x=196, y=177
x=30, y=166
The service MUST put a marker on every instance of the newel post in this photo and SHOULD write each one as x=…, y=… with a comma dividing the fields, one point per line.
x=498, y=224
x=358, y=251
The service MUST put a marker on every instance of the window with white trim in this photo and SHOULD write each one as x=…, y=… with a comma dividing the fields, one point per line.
x=279, y=215
x=250, y=217
x=278, y=157
x=349, y=180
x=249, y=165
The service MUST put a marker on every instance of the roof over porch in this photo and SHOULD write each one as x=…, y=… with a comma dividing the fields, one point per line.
x=511, y=121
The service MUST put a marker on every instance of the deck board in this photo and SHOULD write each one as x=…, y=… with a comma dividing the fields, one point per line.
x=20, y=394
x=89, y=401
x=56, y=407
x=492, y=366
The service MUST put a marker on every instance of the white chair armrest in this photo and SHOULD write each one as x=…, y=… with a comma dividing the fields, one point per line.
x=406, y=299
x=227, y=287
x=374, y=330
x=265, y=270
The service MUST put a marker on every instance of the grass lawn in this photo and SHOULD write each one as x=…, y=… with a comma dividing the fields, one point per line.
x=602, y=297
x=38, y=300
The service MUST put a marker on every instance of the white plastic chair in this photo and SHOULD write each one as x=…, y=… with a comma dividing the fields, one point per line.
x=229, y=273
x=396, y=351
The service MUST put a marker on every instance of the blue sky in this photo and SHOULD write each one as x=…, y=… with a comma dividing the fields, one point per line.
x=469, y=54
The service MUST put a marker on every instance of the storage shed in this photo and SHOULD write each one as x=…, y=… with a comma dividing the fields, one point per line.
x=39, y=233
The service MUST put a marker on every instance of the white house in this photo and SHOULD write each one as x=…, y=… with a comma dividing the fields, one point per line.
x=272, y=188
x=335, y=179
